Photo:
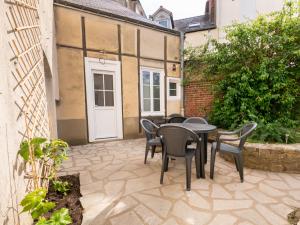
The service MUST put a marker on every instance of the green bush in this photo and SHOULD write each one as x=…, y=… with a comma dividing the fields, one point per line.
x=258, y=74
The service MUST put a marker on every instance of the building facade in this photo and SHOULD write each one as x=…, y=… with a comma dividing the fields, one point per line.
x=114, y=67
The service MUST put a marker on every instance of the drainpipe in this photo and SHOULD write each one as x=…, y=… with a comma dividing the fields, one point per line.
x=182, y=36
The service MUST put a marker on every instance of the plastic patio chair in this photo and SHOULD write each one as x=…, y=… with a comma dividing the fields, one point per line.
x=152, y=139
x=237, y=152
x=196, y=120
x=174, y=143
x=177, y=119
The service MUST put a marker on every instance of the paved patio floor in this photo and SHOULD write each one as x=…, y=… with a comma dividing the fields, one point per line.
x=118, y=189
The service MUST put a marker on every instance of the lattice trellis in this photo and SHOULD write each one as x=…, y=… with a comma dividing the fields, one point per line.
x=28, y=72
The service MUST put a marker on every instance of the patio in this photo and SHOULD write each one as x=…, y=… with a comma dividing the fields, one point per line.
x=118, y=189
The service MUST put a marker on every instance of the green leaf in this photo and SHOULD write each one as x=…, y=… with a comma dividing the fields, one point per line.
x=24, y=150
x=35, y=203
x=61, y=217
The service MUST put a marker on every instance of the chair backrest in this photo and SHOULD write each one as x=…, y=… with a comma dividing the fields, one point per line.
x=175, y=115
x=174, y=139
x=245, y=133
x=176, y=119
x=150, y=128
x=196, y=120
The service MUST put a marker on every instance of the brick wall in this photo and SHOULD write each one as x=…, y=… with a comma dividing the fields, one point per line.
x=198, y=98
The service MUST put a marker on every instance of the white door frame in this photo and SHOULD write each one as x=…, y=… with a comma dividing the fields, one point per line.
x=107, y=65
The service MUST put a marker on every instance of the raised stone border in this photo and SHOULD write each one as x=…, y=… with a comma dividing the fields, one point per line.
x=269, y=157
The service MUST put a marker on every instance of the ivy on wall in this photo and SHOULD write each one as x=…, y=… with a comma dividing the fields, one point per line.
x=258, y=74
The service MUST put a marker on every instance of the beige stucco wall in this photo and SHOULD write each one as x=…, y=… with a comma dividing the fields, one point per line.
x=102, y=35
x=12, y=182
x=194, y=39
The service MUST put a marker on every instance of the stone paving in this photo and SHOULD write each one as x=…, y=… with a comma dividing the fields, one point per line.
x=118, y=189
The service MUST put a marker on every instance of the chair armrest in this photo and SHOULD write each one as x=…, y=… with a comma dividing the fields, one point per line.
x=229, y=132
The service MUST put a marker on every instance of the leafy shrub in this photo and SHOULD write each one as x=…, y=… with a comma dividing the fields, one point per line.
x=257, y=74
x=35, y=203
x=59, y=217
x=62, y=187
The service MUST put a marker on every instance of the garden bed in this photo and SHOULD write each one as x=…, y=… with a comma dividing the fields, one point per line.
x=70, y=201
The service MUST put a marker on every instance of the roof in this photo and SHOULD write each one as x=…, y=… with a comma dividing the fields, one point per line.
x=200, y=23
x=112, y=9
x=161, y=8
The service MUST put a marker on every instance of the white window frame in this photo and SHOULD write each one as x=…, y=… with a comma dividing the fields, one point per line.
x=162, y=92
x=178, y=88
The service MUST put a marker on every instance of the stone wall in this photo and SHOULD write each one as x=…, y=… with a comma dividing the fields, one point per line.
x=271, y=157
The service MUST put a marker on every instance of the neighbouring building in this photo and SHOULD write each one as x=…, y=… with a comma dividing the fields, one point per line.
x=198, y=30
x=27, y=94
x=115, y=66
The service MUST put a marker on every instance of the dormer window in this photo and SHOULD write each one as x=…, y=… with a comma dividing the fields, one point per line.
x=193, y=25
x=164, y=23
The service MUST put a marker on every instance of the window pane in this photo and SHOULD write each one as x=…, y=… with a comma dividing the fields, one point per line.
x=147, y=105
x=172, y=85
x=156, y=105
x=146, y=90
x=156, y=92
x=146, y=77
x=156, y=80
x=98, y=81
x=173, y=93
x=99, y=98
x=108, y=82
x=109, y=98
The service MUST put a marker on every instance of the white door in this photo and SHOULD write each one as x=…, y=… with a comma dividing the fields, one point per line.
x=103, y=87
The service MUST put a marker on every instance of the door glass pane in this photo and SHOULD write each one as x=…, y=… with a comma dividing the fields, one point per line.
x=98, y=81
x=146, y=90
x=108, y=82
x=146, y=78
x=99, y=98
x=147, y=105
x=173, y=93
x=172, y=85
x=156, y=105
x=156, y=80
x=156, y=91
x=109, y=98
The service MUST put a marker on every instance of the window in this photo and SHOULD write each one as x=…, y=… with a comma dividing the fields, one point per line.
x=152, y=92
x=174, y=88
x=164, y=23
x=104, y=90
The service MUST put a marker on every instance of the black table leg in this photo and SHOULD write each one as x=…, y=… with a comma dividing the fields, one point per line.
x=198, y=162
x=202, y=152
x=205, y=148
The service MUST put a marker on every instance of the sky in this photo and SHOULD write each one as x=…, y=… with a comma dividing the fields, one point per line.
x=179, y=8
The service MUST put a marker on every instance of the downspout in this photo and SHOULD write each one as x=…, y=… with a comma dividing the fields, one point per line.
x=182, y=36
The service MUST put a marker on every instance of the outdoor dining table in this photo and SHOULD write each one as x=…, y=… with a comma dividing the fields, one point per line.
x=202, y=130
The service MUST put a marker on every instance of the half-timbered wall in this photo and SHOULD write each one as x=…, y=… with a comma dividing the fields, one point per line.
x=80, y=34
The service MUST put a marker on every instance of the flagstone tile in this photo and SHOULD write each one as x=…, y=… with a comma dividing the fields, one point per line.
x=197, y=200
x=231, y=204
x=251, y=215
x=189, y=215
x=171, y=221
x=127, y=218
x=223, y=219
x=270, y=216
x=158, y=205
x=123, y=205
x=148, y=216
x=273, y=192
x=172, y=191
x=260, y=197
x=219, y=192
